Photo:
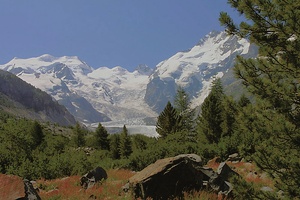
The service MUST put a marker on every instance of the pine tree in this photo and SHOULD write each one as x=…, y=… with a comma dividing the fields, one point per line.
x=229, y=112
x=125, y=147
x=101, y=137
x=243, y=101
x=78, y=137
x=168, y=121
x=37, y=133
x=210, y=120
x=273, y=79
x=115, y=146
x=182, y=106
x=181, y=100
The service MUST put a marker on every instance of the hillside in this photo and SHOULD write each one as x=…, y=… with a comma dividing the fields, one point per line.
x=22, y=99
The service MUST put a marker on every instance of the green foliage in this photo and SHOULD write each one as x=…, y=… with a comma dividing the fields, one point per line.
x=210, y=120
x=243, y=101
x=181, y=101
x=125, y=146
x=168, y=121
x=140, y=142
x=271, y=128
x=228, y=116
x=101, y=138
x=183, y=108
x=37, y=133
x=115, y=146
x=172, y=145
x=78, y=138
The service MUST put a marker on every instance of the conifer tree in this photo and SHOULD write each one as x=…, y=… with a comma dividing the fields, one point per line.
x=168, y=121
x=125, y=147
x=243, y=101
x=78, y=137
x=273, y=79
x=229, y=113
x=115, y=146
x=102, y=137
x=37, y=133
x=210, y=120
x=182, y=106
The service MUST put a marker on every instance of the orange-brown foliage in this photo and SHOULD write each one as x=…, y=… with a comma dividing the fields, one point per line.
x=69, y=187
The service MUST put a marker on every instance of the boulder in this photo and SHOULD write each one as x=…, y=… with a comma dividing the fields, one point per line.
x=92, y=177
x=219, y=180
x=225, y=171
x=31, y=193
x=14, y=187
x=234, y=158
x=168, y=178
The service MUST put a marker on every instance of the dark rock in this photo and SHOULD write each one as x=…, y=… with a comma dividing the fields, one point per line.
x=219, y=180
x=92, y=177
x=31, y=193
x=171, y=177
x=225, y=171
x=92, y=197
x=168, y=178
x=207, y=173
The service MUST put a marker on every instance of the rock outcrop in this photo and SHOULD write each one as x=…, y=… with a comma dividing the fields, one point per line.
x=171, y=177
x=14, y=187
x=167, y=178
x=92, y=177
x=217, y=181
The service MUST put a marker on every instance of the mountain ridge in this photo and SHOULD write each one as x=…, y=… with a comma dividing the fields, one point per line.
x=119, y=95
x=22, y=99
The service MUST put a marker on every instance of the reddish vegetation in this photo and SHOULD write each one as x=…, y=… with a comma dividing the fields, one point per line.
x=248, y=170
x=69, y=188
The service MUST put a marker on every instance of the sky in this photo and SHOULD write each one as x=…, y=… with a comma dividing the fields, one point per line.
x=106, y=32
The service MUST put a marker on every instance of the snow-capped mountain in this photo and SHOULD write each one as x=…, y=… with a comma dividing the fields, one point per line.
x=195, y=69
x=104, y=94
x=90, y=95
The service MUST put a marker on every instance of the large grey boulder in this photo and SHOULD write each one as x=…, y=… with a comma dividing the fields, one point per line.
x=168, y=178
x=92, y=177
x=171, y=177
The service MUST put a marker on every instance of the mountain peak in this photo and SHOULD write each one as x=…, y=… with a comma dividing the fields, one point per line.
x=119, y=70
x=35, y=64
x=212, y=35
x=143, y=69
x=47, y=58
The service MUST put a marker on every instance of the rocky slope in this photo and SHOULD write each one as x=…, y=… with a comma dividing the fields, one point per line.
x=24, y=100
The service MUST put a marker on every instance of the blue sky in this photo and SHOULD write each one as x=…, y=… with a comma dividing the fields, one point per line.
x=106, y=32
